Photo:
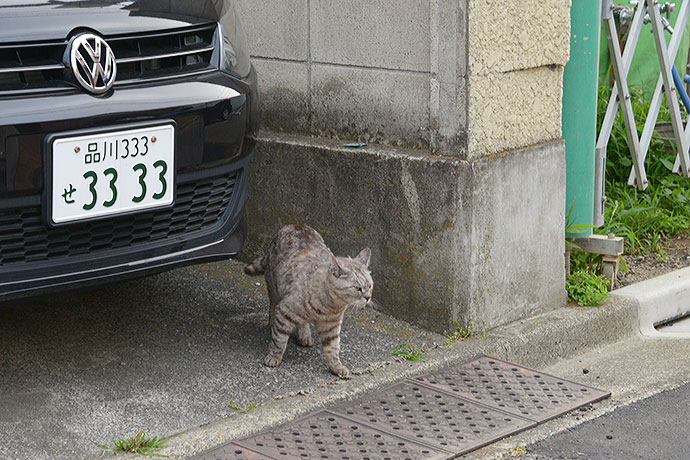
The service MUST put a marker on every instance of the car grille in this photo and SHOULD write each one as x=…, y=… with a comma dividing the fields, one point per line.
x=39, y=67
x=36, y=67
x=199, y=207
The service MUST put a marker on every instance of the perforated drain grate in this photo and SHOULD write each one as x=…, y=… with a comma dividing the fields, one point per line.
x=427, y=415
x=435, y=416
x=231, y=452
x=531, y=394
x=326, y=435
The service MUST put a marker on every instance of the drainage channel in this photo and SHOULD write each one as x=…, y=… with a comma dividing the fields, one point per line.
x=436, y=416
x=678, y=325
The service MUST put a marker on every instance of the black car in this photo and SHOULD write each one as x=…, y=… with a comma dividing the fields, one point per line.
x=126, y=129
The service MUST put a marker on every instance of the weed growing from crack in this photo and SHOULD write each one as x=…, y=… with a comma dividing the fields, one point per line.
x=248, y=408
x=587, y=288
x=139, y=445
x=408, y=351
x=517, y=451
x=465, y=332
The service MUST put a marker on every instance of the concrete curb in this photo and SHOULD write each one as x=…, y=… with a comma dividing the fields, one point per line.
x=535, y=342
x=659, y=299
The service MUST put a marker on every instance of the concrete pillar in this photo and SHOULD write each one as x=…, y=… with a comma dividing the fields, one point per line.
x=460, y=192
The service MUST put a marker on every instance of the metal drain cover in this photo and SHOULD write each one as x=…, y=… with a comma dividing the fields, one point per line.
x=231, y=452
x=447, y=422
x=326, y=435
x=436, y=416
x=518, y=390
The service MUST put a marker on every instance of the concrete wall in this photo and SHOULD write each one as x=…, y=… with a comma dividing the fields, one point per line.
x=461, y=191
x=414, y=73
x=517, y=51
x=452, y=239
x=366, y=70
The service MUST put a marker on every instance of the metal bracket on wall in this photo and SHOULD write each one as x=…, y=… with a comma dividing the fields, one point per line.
x=644, y=11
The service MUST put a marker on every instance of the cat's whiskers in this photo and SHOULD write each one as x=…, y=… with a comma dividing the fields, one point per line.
x=357, y=305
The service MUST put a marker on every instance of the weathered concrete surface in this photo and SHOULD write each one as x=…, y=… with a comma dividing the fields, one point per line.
x=659, y=300
x=163, y=354
x=170, y=354
x=464, y=79
x=537, y=342
x=508, y=36
x=372, y=33
x=284, y=84
x=456, y=234
x=354, y=69
x=516, y=54
x=517, y=248
x=370, y=105
x=404, y=207
x=514, y=109
x=276, y=29
x=448, y=105
x=452, y=240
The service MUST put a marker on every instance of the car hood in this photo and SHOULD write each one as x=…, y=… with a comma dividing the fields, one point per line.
x=27, y=20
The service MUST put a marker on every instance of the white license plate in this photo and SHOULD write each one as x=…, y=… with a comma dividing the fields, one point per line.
x=112, y=173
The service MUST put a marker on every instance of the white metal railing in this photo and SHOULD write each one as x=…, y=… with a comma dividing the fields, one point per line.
x=644, y=11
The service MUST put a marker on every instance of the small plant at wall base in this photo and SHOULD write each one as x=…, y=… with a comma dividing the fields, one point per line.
x=587, y=288
x=461, y=332
x=139, y=445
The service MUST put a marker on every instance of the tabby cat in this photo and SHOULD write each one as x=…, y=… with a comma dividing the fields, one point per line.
x=308, y=284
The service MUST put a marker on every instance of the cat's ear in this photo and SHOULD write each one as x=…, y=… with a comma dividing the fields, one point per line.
x=336, y=269
x=364, y=256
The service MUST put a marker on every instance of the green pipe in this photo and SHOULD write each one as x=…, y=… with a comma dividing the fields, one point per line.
x=580, y=113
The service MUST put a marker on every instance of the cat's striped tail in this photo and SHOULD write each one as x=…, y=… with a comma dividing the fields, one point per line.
x=256, y=267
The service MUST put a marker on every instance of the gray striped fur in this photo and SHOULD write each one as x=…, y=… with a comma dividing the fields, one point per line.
x=308, y=284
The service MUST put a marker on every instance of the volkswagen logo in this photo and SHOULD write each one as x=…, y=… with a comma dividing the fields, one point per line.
x=93, y=63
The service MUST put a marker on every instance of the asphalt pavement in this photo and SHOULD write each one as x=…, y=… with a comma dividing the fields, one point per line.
x=178, y=355
x=162, y=354
x=645, y=417
x=654, y=428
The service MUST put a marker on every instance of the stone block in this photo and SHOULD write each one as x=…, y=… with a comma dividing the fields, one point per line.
x=372, y=33
x=518, y=244
x=284, y=90
x=452, y=240
x=507, y=36
x=371, y=105
x=515, y=109
x=448, y=107
x=275, y=29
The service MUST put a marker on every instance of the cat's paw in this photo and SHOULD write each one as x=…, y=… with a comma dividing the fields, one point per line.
x=306, y=340
x=272, y=361
x=342, y=372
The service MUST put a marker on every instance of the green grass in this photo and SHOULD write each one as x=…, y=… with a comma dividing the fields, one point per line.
x=408, y=351
x=463, y=332
x=517, y=451
x=249, y=407
x=138, y=445
x=645, y=218
x=587, y=288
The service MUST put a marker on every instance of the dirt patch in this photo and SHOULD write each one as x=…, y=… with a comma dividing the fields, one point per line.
x=645, y=266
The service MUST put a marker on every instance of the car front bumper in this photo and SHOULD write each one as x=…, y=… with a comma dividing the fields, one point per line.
x=207, y=221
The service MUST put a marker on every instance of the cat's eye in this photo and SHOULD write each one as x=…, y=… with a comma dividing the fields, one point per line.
x=359, y=289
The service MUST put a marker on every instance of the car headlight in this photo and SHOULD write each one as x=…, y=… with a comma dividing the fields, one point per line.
x=234, y=52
